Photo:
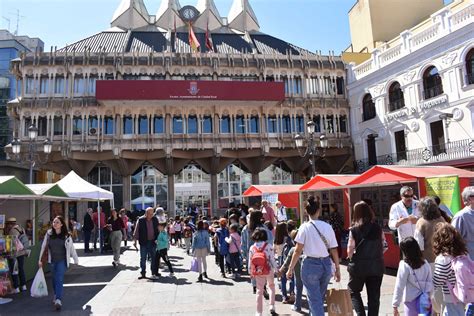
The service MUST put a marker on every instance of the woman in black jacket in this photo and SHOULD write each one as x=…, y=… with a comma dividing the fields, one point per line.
x=365, y=250
x=87, y=228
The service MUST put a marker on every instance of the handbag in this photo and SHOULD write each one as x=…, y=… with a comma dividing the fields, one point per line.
x=352, y=265
x=194, y=265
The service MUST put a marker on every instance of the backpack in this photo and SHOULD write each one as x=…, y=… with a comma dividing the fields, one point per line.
x=423, y=301
x=25, y=241
x=188, y=233
x=259, y=261
x=463, y=268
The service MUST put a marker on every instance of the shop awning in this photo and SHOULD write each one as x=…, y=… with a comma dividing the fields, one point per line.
x=76, y=187
x=12, y=188
x=259, y=190
x=327, y=181
x=387, y=175
x=49, y=191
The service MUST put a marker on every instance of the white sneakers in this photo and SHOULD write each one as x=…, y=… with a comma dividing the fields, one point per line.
x=57, y=304
x=23, y=288
x=272, y=309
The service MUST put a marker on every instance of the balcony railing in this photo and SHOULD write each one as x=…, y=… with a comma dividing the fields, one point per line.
x=428, y=155
x=432, y=92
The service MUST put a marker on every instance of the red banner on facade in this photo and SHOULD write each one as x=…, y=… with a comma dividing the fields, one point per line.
x=189, y=90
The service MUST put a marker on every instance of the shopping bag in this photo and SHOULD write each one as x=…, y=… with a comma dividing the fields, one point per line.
x=194, y=265
x=39, y=287
x=339, y=302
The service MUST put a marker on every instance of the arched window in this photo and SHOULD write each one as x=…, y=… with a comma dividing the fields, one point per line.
x=470, y=67
x=368, y=107
x=432, y=84
x=395, y=97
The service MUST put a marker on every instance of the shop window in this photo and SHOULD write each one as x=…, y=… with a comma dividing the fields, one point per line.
x=128, y=125
x=178, y=125
x=432, y=83
x=470, y=67
x=58, y=125
x=108, y=125
x=143, y=125
x=395, y=97
x=207, y=124
x=368, y=108
x=240, y=124
x=192, y=124
x=225, y=124
x=77, y=125
x=254, y=124
x=158, y=125
x=272, y=124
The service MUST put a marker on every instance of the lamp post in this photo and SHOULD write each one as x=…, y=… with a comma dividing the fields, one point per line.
x=312, y=150
x=32, y=154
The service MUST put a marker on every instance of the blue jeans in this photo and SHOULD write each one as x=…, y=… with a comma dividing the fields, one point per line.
x=284, y=292
x=315, y=274
x=148, y=249
x=57, y=270
x=299, y=290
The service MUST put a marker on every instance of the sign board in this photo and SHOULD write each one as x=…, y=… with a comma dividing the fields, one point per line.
x=447, y=189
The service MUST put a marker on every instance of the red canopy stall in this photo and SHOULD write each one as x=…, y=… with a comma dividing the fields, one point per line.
x=381, y=185
x=288, y=195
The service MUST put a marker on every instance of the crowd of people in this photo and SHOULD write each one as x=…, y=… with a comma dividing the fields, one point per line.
x=435, y=272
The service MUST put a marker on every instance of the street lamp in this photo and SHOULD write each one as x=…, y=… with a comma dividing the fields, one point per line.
x=32, y=154
x=312, y=150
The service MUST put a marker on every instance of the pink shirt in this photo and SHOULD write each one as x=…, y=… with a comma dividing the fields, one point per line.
x=235, y=243
x=269, y=214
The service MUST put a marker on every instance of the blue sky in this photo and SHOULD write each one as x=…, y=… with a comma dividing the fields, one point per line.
x=311, y=24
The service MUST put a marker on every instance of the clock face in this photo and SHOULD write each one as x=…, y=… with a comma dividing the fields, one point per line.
x=188, y=13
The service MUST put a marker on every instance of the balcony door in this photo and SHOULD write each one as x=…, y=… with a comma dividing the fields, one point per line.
x=437, y=138
x=371, y=150
x=400, y=145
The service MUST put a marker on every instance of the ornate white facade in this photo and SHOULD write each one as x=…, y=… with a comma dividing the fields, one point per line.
x=412, y=102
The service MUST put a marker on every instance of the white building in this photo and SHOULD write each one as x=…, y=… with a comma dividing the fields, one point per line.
x=412, y=102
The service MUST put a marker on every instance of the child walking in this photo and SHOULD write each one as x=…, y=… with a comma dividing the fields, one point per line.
x=235, y=245
x=283, y=243
x=297, y=277
x=162, y=244
x=187, y=235
x=171, y=231
x=262, y=268
x=414, y=279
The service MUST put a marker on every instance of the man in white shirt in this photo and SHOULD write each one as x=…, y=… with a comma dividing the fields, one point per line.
x=404, y=214
x=281, y=212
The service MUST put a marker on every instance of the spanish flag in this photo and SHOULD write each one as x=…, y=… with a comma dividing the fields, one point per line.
x=193, y=41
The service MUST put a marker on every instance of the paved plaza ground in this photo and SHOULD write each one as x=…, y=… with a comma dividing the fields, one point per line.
x=95, y=287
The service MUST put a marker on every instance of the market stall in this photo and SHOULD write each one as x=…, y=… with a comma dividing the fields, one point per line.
x=288, y=195
x=381, y=185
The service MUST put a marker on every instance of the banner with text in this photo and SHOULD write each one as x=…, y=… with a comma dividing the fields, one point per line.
x=447, y=189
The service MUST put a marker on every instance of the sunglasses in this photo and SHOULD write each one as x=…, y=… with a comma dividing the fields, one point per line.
x=407, y=196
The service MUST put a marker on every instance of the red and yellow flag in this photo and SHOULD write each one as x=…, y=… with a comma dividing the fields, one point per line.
x=193, y=41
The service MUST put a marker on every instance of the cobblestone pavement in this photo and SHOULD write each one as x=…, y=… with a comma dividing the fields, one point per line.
x=95, y=287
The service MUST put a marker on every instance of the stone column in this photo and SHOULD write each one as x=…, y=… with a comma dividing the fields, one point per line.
x=126, y=192
x=171, y=202
x=214, y=197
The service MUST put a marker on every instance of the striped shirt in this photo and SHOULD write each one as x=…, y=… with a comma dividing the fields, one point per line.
x=443, y=272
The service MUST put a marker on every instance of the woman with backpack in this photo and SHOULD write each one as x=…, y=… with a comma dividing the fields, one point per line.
x=283, y=244
x=448, y=246
x=414, y=283
x=262, y=268
x=365, y=251
x=318, y=242
x=201, y=247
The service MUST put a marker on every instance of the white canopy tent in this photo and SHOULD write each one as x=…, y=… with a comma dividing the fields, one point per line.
x=80, y=189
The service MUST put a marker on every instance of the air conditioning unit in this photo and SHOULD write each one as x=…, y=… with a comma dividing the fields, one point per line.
x=93, y=131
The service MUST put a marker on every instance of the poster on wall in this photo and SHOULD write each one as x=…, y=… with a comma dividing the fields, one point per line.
x=447, y=189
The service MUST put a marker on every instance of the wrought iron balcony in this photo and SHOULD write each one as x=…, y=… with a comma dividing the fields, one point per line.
x=428, y=155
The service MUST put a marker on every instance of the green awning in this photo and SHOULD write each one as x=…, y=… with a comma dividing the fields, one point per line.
x=48, y=190
x=10, y=186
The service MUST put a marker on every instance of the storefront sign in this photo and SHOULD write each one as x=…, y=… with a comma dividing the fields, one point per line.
x=189, y=90
x=402, y=113
x=192, y=189
x=447, y=189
